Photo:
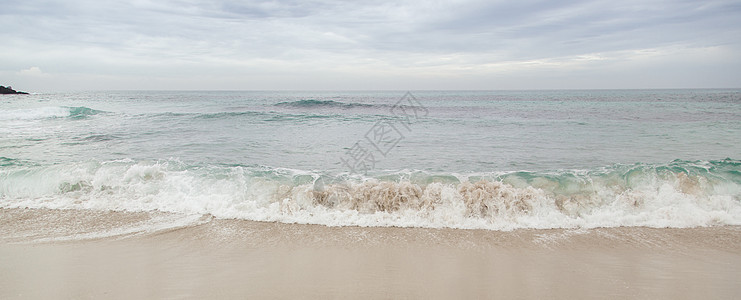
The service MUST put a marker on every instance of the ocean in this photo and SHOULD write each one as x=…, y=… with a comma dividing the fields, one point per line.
x=492, y=160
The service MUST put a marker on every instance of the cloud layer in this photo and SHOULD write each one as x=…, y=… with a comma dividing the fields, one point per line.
x=192, y=44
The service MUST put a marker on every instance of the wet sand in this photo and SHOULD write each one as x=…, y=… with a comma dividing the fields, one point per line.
x=243, y=259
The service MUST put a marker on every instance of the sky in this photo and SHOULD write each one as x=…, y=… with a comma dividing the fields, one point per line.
x=76, y=45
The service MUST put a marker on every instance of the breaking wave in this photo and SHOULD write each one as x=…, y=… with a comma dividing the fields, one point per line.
x=677, y=194
x=48, y=112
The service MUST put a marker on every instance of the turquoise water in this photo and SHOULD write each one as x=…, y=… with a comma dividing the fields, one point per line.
x=462, y=159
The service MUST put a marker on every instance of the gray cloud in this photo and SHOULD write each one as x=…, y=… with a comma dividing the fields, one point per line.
x=361, y=43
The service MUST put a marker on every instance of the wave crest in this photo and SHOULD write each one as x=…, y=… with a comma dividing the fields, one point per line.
x=312, y=103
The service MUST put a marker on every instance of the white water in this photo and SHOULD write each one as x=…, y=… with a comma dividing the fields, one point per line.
x=34, y=113
x=653, y=200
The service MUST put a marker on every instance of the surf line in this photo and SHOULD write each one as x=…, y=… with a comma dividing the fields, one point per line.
x=384, y=135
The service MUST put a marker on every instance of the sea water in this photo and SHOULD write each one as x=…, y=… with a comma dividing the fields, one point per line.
x=495, y=160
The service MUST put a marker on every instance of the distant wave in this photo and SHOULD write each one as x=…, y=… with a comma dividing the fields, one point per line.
x=271, y=116
x=311, y=103
x=224, y=115
x=677, y=194
x=80, y=112
x=92, y=138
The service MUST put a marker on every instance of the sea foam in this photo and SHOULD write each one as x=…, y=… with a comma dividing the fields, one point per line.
x=678, y=194
x=47, y=112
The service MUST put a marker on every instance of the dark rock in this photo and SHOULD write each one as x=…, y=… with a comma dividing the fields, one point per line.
x=10, y=90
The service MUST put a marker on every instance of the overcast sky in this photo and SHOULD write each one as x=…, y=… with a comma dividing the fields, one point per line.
x=368, y=45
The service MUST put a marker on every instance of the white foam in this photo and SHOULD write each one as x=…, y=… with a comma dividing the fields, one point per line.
x=156, y=223
x=35, y=113
x=676, y=201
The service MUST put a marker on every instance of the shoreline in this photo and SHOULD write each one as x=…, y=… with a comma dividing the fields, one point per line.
x=217, y=258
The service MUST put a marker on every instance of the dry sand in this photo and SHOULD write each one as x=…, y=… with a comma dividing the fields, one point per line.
x=256, y=260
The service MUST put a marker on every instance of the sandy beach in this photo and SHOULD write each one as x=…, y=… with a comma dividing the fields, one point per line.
x=242, y=259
